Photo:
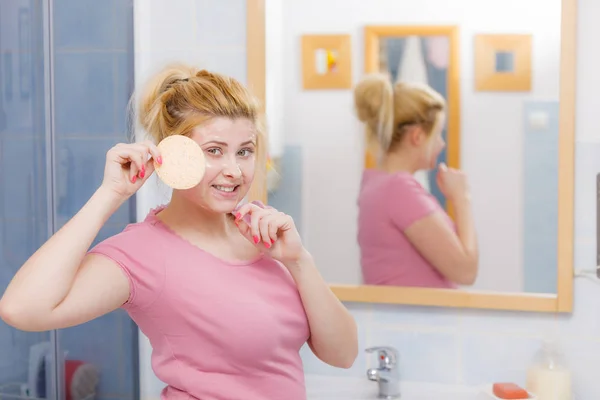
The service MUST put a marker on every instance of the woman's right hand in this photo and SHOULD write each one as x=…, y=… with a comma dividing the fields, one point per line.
x=128, y=166
x=452, y=182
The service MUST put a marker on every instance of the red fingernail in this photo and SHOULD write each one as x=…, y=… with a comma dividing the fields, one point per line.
x=238, y=216
x=142, y=173
x=159, y=159
x=267, y=245
x=134, y=179
x=272, y=241
x=255, y=238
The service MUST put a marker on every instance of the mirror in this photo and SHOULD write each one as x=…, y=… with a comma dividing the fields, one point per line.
x=506, y=77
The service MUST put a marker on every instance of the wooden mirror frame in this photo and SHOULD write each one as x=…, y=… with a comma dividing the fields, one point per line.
x=562, y=301
x=257, y=83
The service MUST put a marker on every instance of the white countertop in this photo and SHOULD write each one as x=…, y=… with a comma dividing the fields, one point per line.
x=337, y=388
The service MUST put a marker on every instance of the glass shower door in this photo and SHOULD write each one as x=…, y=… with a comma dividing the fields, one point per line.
x=26, y=359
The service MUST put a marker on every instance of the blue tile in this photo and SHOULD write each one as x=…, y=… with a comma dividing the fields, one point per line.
x=129, y=357
x=21, y=112
x=287, y=197
x=23, y=178
x=79, y=171
x=123, y=25
x=540, y=199
x=18, y=241
x=125, y=85
x=86, y=24
x=86, y=94
x=99, y=342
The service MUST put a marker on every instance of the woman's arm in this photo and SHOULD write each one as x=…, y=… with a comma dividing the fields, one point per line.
x=59, y=286
x=454, y=254
x=56, y=287
x=333, y=332
x=334, y=338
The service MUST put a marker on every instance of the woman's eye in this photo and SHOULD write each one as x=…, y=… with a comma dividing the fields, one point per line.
x=245, y=153
x=214, y=151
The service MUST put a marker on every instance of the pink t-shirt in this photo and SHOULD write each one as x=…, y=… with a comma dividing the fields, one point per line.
x=219, y=330
x=388, y=204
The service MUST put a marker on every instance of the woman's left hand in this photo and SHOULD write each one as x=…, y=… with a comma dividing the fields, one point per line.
x=271, y=231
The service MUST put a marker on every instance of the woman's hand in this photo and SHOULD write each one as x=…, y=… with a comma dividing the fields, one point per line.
x=452, y=182
x=271, y=231
x=128, y=166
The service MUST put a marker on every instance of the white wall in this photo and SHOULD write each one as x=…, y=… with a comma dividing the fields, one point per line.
x=323, y=124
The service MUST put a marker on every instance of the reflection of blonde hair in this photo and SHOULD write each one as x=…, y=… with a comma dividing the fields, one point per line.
x=387, y=110
x=181, y=97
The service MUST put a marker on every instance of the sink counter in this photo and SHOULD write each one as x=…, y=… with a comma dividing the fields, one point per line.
x=343, y=388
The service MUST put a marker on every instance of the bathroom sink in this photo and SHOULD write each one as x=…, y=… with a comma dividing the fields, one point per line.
x=337, y=388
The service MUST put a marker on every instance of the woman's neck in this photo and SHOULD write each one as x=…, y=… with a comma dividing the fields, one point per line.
x=399, y=161
x=183, y=214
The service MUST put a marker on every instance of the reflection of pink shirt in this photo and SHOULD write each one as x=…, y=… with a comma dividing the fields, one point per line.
x=219, y=330
x=388, y=204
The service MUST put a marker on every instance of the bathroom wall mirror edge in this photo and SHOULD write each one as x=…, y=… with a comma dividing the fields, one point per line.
x=562, y=300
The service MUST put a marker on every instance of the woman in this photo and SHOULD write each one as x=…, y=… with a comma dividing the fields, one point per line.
x=405, y=237
x=227, y=296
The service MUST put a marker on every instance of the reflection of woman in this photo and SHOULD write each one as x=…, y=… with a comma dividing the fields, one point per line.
x=405, y=237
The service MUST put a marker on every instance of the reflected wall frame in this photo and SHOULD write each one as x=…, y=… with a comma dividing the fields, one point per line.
x=562, y=301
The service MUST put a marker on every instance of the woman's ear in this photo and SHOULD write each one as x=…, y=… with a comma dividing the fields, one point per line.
x=416, y=135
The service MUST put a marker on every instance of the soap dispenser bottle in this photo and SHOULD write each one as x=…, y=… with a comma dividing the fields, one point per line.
x=548, y=377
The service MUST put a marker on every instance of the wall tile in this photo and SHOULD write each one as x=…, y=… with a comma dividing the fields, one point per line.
x=540, y=198
x=496, y=358
x=287, y=197
x=417, y=317
x=507, y=322
x=76, y=24
x=107, y=351
x=85, y=93
x=23, y=176
x=79, y=171
x=424, y=356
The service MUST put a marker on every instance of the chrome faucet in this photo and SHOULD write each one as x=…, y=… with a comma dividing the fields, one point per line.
x=387, y=375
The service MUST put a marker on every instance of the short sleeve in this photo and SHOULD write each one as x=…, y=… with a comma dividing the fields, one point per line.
x=409, y=202
x=141, y=262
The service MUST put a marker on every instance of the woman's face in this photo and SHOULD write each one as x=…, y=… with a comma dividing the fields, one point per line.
x=433, y=146
x=229, y=146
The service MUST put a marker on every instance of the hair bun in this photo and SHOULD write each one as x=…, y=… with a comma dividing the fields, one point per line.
x=370, y=96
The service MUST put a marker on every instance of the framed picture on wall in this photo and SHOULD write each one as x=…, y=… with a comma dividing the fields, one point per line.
x=503, y=63
x=326, y=62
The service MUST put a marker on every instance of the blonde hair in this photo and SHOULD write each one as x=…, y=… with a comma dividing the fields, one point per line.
x=181, y=97
x=387, y=110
